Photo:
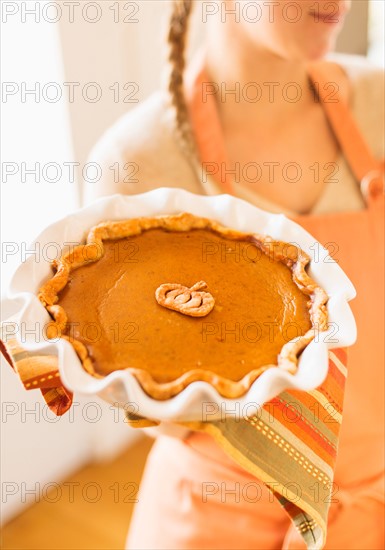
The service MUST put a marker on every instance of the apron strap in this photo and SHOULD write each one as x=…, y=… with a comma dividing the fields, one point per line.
x=366, y=168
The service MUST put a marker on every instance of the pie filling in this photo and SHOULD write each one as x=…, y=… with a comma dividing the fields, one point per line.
x=109, y=308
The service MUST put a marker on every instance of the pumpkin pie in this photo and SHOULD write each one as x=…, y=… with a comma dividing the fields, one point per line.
x=179, y=298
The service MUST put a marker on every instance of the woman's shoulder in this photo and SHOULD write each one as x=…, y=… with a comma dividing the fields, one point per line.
x=140, y=152
x=358, y=68
x=362, y=84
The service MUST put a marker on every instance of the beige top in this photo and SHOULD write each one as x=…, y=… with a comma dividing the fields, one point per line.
x=140, y=151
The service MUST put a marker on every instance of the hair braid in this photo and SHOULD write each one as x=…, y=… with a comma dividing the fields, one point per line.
x=177, y=35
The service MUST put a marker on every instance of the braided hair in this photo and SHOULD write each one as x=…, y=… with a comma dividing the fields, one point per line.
x=177, y=34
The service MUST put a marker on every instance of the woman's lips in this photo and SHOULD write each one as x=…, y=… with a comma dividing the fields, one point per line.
x=329, y=18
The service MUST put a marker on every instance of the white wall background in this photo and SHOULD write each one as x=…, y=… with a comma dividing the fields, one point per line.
x=37, y=448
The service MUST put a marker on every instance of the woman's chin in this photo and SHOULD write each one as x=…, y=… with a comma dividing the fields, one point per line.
x=318, y=51
x=309, y=50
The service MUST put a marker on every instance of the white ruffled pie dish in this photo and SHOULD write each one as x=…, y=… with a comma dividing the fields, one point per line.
x=199, y=400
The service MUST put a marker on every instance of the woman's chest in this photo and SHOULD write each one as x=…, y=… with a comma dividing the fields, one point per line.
x=290, y=166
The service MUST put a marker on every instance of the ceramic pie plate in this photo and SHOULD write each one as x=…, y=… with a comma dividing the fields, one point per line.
x=199, y=400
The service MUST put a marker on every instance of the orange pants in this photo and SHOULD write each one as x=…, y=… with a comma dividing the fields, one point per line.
x=193, y=496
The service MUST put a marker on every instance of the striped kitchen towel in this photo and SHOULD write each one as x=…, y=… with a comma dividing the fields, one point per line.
x=38, y=371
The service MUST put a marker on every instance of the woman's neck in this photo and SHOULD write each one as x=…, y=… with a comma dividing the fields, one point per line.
x=255, y=81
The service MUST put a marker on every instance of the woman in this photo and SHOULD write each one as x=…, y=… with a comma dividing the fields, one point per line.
x=246, y=120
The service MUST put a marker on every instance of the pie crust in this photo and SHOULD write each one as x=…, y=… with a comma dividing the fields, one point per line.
x=279, y=253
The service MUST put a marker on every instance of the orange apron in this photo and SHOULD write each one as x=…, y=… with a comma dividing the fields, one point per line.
x=172, y=511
